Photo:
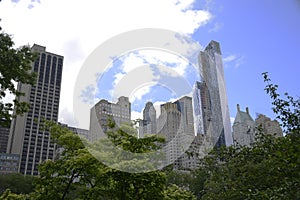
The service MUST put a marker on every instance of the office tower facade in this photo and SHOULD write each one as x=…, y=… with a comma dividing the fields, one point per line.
x=27, y=137
x=212, y=72
x=104, y=111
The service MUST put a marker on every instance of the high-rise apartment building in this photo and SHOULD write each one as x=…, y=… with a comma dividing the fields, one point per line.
x=27, y=137
x=212, y=73
x=104, y=111
x=176, y=124
x=168, y=126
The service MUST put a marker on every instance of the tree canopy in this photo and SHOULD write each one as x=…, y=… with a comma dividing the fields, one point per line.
x=15, y=67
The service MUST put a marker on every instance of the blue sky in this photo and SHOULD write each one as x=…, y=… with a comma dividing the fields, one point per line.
x=255, y=37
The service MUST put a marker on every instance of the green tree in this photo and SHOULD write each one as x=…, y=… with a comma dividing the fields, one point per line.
x=8, y=195
x=17, y=183
x=15, y=67
x=269, y=169
x=73, y=174
x=173, y=192
x=127, y=183
x=76, y=173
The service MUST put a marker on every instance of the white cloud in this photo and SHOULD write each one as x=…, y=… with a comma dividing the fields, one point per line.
x=139, y=93
x=240, y=61
x=216, y=27
x=229, y=58
x=75, y=28
x=234, y=60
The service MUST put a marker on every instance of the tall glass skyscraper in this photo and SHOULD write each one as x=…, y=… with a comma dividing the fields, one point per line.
x=211, y=67
x=27, y=136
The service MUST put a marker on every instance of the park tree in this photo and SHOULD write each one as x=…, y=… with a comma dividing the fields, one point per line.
x=16, y=183
x=269, y=169
x=15, y=67
x=76, y=173
x=173, y=192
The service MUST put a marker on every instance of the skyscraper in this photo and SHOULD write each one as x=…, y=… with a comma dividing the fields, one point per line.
x=148, y=124
x=211, y=66
x=168, y=126
x=176, y=124
x=27, y=137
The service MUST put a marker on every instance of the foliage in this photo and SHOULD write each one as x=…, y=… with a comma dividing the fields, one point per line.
x=179, y=178
x=15, y=67
x=8, y=195
x=16, y=183
x=174, y=192
x=76, y=173
x=287, y=109
x=198, y=179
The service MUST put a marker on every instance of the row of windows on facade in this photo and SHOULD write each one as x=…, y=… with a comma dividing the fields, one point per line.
x=42, y=114
x=112, y=108
x=115, y=114
x=8, y=157
x=37, y=158
x=8, y=163
x=45, y=87
x=45, y=96
x=8, y=169
x=38, y=155
x=45, y=91
x=31, y=149
x=37, y=100
x=40, y=143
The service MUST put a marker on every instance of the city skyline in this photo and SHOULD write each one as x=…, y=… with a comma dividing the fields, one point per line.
x=255, y=37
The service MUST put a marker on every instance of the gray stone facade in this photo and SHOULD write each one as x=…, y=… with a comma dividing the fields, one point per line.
x=268, y=126
x=245, y=128
x=104, y=111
